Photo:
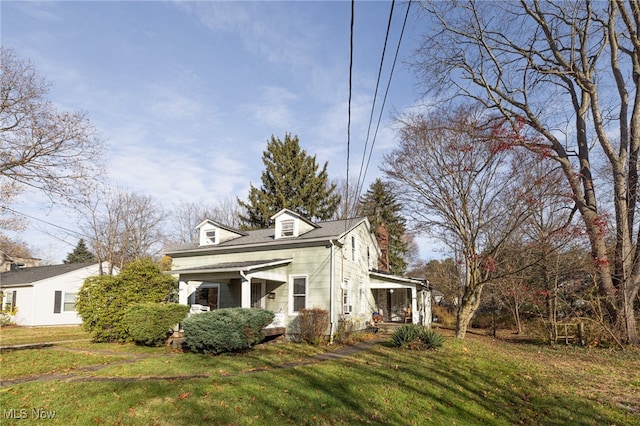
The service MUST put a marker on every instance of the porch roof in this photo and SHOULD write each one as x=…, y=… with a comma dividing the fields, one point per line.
x=246, y=266
x=384, y=280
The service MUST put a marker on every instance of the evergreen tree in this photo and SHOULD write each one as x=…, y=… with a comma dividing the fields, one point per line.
x=80, y=254
x=380, y=206
x=290, y=180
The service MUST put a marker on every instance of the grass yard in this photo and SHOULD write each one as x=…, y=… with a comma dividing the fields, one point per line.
x=477, y=381
x=15, y=335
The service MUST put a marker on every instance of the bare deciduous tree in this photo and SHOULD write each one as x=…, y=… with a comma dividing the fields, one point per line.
x=122, y=226
x=56, y=152
x=567, y=73
x=185, y=216
x=464, y=186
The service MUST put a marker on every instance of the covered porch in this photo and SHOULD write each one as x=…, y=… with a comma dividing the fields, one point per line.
x=401, y=300
x=247, y=284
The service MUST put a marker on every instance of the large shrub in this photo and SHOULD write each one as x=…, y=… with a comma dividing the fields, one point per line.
x=226, y=330
x=103, y=300
x=312, y=325
x=150, y=323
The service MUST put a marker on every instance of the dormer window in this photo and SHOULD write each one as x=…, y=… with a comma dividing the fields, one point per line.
x=212, y=233
x=211, y=236
x=286, y=229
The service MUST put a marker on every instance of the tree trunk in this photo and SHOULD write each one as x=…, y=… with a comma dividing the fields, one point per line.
x=468, y=307
x=516, y=313
x=629, y=296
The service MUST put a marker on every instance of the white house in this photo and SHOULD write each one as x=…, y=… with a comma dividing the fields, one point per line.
x=294, y=265
x=45, y=295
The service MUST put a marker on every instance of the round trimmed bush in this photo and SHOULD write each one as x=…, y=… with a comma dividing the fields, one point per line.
x=226, y=330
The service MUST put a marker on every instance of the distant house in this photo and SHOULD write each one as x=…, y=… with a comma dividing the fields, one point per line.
x=9, y=262
x=45, y=295
x=294, y=265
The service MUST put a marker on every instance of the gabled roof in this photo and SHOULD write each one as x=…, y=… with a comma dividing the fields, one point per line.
x=26, y=276
x=221, y=226
x=294, y=214
x=324, y=231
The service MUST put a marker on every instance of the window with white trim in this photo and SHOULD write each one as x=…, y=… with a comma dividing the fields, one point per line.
x=298, y=293
x=69, y=304
x=211, y=235
x=286, y=228
x=353, y=248
x=346, y=297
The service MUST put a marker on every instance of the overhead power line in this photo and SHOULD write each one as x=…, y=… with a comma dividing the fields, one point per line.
x=363, y=173
x=76, y=233
x=359, y=182
x=353, y=4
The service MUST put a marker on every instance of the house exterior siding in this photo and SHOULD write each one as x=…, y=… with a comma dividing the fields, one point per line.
x=42, y=302
x=267, y=268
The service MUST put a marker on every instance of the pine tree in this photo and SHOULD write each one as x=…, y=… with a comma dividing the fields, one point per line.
x=80, y=254
x=380, y=206
x=290, y=180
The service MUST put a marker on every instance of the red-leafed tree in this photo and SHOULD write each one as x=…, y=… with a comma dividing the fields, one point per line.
x=462, y=183
x=570, y=72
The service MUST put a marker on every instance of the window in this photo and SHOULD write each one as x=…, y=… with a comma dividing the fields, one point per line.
x=207, y=296
x=211, y=235
x=346, y=297
x=69, y=302
x=353, y=248
x=299, y=293
x=10, y=300
x=286, y=228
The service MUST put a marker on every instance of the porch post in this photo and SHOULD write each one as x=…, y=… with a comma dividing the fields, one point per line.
x=414, y=305
x=245, y=291
x=183, y=292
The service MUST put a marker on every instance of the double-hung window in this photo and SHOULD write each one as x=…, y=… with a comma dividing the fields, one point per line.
x=69, y=302
x=299, y=293
x=287, y=228
x=346, y=296
x=354, y=253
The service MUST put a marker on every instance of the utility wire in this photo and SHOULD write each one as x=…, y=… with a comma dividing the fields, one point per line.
x=353, y=6
x=360, y=180
x=384, y=101
x=395, y=59
x=76, y=233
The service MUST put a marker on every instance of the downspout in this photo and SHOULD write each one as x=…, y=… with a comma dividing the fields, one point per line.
x=331, y=291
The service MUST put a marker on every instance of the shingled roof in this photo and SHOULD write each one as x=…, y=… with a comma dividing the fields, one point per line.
x=26, y=276
x=261, y=237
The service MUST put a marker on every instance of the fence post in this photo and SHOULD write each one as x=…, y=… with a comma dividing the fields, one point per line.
x=581, y=335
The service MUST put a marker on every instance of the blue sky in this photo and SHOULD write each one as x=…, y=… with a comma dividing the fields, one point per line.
x=186, y=94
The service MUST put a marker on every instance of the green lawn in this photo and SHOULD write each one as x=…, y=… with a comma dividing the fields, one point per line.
x=15, y=335
x=477, y=381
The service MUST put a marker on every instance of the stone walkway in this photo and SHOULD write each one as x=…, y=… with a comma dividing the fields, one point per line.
x=345, y=351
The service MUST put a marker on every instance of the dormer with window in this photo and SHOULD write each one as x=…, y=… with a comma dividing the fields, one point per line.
x=212, y=233
x=290, y=224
